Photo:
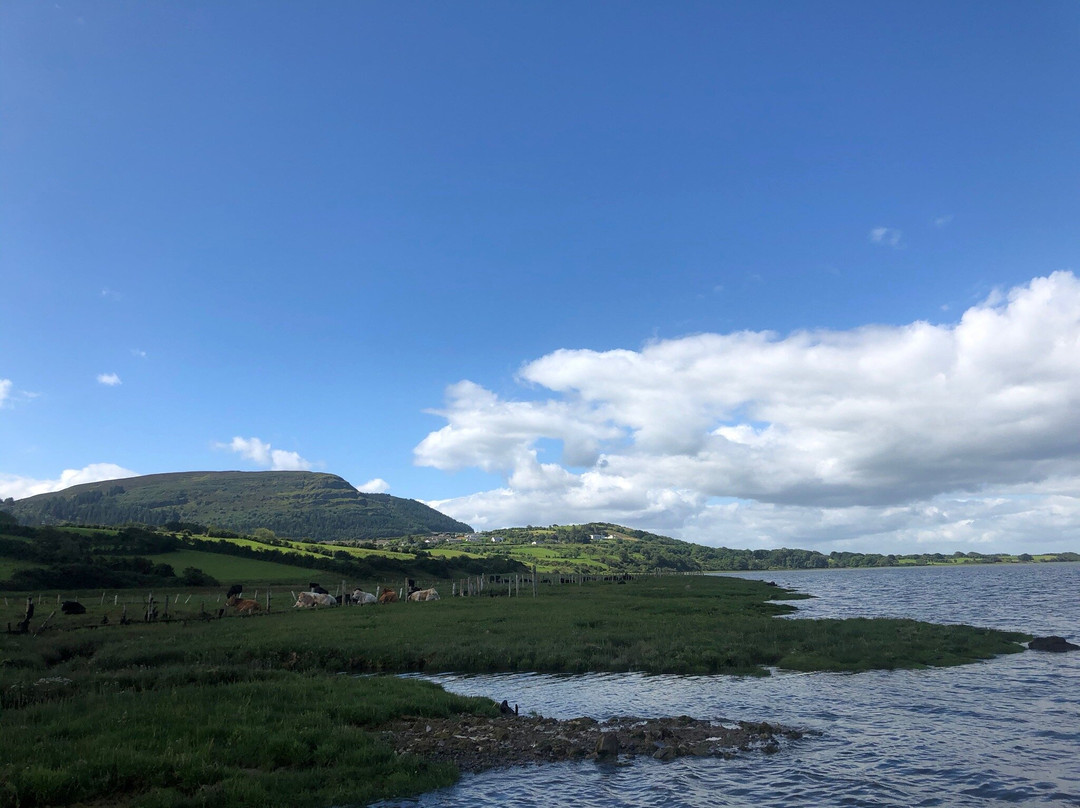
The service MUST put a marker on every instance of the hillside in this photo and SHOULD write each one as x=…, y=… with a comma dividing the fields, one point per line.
x=44, y=558
x=602, y=548
x=293, y=504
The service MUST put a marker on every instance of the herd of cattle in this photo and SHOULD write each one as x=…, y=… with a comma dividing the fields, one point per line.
x=317, y=596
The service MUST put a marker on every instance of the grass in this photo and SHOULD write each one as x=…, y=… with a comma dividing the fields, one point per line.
x=254, y=711
x=251, y=739
x=9, y=565
x=228, y=568
x=547, y=558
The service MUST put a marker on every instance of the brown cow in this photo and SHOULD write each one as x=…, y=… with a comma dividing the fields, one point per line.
x=244, y=605
x=388, y=596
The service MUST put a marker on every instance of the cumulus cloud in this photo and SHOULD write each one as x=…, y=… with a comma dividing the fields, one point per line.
x=109, y=379
x=376, y=486
x=887, y=236
x=19, y=487
x=263, y=455
x=5, y=391
x=912, y=434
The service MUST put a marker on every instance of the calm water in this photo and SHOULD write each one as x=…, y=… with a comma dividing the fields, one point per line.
x=1002, y=732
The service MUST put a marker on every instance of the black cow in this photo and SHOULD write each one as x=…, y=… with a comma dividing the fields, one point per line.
x=318, y=590
x=236, y=590
x=72, y=607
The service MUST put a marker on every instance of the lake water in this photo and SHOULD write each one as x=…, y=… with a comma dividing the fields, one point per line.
x=1001, y=732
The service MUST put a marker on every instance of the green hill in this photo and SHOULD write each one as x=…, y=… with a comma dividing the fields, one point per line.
x=293, y=504
x=604, y=548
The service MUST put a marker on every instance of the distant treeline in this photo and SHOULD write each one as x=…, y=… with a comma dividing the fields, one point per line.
x=638, y=550
x=90, y=558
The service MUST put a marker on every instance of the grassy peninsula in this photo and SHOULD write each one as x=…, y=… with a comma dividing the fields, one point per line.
x=255, y=711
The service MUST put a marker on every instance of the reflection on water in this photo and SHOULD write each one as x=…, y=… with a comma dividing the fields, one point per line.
x=1003, y=731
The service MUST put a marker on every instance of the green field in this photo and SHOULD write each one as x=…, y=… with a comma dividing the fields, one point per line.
x=314, y=548
x=9, y=565
x=231, y=569
x=546, y=558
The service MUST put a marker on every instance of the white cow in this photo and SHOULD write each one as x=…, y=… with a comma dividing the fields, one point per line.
x=360, y=597
x=308, y=600
x=424, y=594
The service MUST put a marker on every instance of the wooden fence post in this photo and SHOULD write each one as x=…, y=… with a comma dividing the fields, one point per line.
x=24, y=626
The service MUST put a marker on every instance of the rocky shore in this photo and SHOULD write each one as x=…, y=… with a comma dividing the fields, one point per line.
x=477, y=743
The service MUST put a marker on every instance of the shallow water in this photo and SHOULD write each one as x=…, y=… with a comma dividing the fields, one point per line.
x=1006, y=731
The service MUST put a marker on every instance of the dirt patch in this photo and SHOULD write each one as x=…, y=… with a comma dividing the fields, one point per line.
x=476, y=743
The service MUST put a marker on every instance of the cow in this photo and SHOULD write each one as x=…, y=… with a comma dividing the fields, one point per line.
x=72, y=607
x=360, y=597
x=315, y=589
x=388, y=596
x=308, y=600
x=235, y=591
x=244, y=605
x=423, y=594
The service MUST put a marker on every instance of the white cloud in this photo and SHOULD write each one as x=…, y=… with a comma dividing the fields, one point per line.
x=376, y=486
x=914, y=435
x=887, y=236
x=19, y=487
x=139, y=353
x=109, y=379
x=943, y=221
x=5, y=390
x=263, y=455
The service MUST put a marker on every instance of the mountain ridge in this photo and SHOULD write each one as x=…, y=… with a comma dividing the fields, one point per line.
x=293, y=504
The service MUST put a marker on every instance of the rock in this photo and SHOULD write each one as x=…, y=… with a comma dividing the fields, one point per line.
x=476, y=743
x=608, y=746
x=665, y=753
x=1052, y=643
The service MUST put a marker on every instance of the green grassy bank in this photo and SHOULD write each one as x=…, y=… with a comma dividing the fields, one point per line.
x=253, y=711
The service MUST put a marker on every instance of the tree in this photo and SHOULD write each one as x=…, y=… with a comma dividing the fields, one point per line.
x=264, y=535
x=193, y=576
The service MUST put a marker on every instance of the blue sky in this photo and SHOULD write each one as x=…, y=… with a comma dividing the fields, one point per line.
x=749, y=274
